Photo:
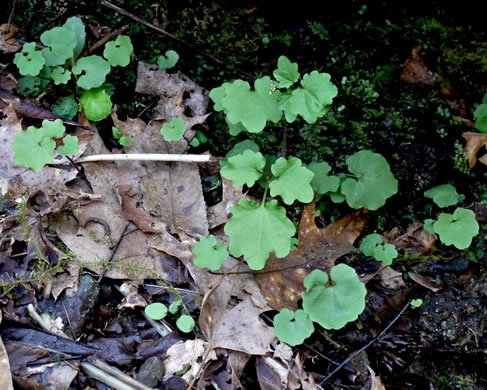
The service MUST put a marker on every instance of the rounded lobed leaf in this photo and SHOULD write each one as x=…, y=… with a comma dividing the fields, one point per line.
x=480, y=116
x=244, y=168
x=369, y=243
x=96, y=104
x=67, y=107
x=286, y=73
x=292, y=181
x=94, y=69
x=60, y=42
x=118, y=53
x=322, y=182
x=76, y=25
x=444, y=195
x=29, y=60
x=168, y=61
x=208, y=253
x=156, y=311
x=415, y=303
x=251, y=108
x=334, y=306
x=385, y=253
x=217, y=94
x=174, y=130
x=292, y=327
x=429, y=225
x=60, y=75
x=257, y=230
x=185, y=323
x=69, y=146
x=374, y=182
x=457, y=229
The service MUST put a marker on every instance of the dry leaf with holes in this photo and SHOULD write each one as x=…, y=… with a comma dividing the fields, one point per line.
x=281, y=280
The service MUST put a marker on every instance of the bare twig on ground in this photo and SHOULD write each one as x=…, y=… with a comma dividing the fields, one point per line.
x=105, y=39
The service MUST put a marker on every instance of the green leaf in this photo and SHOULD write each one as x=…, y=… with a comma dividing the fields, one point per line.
x=458, y=228
x=124, y=141
x=60, y=75
x=96, y=104
x=174, y=130
x=217, y=95
x=30, y=85
x=174, y=306
x=118, y=53
x=76, y=25
x=94, y=69
x=244, y=168
x=316, y=93
x=29, y=60
x=292, y=327
x=444, y=195
x=286, y=73
x=429, y=225
x=70, y=145
x=335, y=305
x=369, y=243
x=156, y=311
x=385, y=253
x=185, y=323
x=285, y=105
x=67, y=107
x=168, y=61
x=322, y=182
x=292, y=181
x=251, y=108
x=374, y=181
x=60, y=42
x=208, y=253
x=34, y=148
x=116, y=133
x=257, y=230
x=415, y=303
x=235, y=128
x=480, y=116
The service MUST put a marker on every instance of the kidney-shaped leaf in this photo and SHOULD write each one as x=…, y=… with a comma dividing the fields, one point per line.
x=29, y=60
x=208, y=253
x=244, y=168
x=118, y=53
x=374, y=181
x=334, y=306
x=292, y=327
x=444, y=195
x=458, y=228
x=94, y=69
x=96, y=104
x=60, y=43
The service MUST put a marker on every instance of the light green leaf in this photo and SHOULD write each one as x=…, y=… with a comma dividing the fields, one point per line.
x=34, y=148
x=174, y=130
x=312, y=99
x=239, y=148
x=70, y=145
x=444, y=195
x=208, y=253
x=235, y=128
x=374, y=181
x=457, y=229
x=60, y=75
x=94, y=69
x=168, y=61
x=67, y=107
x=292, y=181
x=60, y=43
x=116, y=133
x=415, y=303
x=334, y=306
x=174, y=306
x=244, y=168
x=185, y=323
x=292, y=327
x=217, y=94
x=251, y=108
x=322, y=182
x=124, y=141
x=285, y=105
x=369, y=243
x=480, y=116
x=76, y=25
x=385, y=253
x=257, y=230
x=118, y=53
x=286, y=73
x=96, y=104
x=156, y=311
x=429, y=225
x=29, y=60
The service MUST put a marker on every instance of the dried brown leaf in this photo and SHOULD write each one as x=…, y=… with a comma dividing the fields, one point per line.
x=474, y=142
x=416, y=239
x=5, y=376
x=281, y=280
x=425, y=282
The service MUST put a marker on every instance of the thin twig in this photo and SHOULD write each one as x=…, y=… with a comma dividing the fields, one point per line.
x=115, y=248
x=105, y=39
x=62, y=13
x=10, y=16
x=80, y=172
x=367, y=345
x=169, y=35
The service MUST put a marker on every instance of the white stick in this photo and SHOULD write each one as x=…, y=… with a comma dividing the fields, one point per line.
x=146, y=157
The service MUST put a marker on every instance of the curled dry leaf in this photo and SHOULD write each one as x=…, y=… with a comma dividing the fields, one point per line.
x=281, y=280
x=425, y=282
x=474, y=142
x=416, y=239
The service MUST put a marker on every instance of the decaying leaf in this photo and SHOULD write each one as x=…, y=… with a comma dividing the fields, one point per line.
x=425, y=282
x=376, y=381
x=475, y=142
x=391, y=279
x=218, y=214
x=415, y=71
x=281, y=281
x=416, y=239
x=8, y=44
x=132, y=298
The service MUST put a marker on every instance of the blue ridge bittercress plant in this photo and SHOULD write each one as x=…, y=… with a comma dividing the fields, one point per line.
x=257, y=229
x=60, y=62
